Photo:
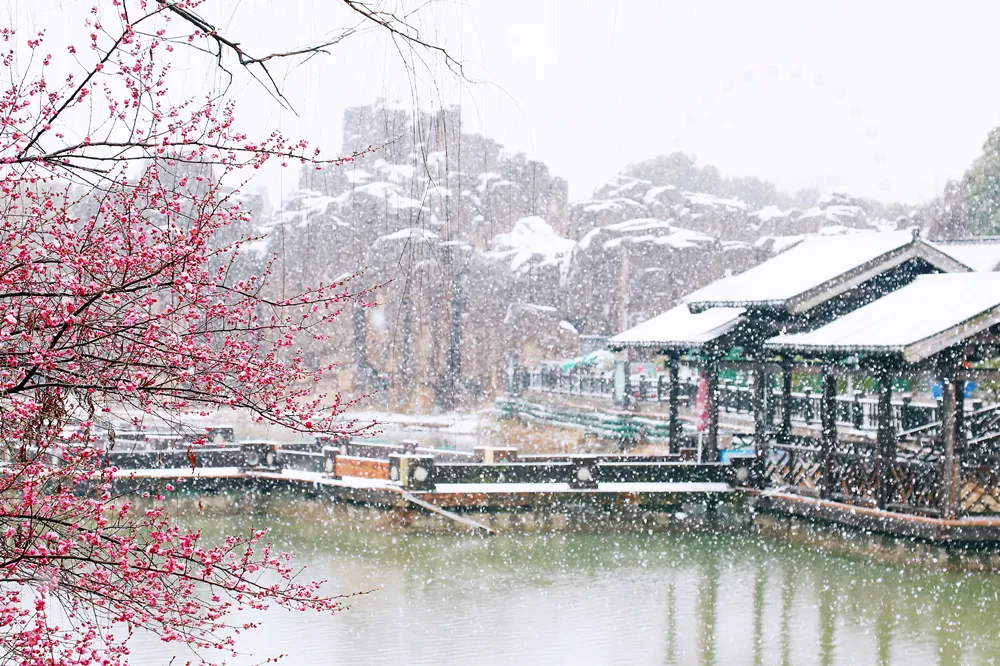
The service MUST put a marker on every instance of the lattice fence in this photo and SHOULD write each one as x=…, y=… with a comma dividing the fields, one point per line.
x=854, y=476
x=979, y=489
x=916, y=486
x=795, y=467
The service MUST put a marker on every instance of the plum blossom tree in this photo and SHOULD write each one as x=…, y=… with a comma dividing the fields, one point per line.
x=116, y=292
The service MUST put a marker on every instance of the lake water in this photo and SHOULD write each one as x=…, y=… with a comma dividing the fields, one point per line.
x=581, y=597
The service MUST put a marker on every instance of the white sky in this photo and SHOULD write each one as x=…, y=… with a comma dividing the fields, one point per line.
x=886, y=99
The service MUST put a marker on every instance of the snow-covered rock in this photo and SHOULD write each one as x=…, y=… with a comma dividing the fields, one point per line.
x=480, y=258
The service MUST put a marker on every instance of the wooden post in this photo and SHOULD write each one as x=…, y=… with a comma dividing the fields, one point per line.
x=785, y=432
x=330, y=454
x=494, y=455
x=951, y=436
x=770, y=404
x=711, y=451
x=411, y=472
x=886, y=439
x=761, y=380
x=584, y=472
x=673, y=396
x=960, y=434
x=828, y=422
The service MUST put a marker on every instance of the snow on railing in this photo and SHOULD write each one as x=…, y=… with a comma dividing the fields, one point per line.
x=854, y=411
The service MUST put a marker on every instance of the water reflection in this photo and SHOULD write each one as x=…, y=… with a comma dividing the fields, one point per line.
x=587, y=598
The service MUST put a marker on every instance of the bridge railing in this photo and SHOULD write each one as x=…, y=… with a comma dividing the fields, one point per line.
x=637, y=470
x=913, y=479
x=412, y=467
x=855, y=410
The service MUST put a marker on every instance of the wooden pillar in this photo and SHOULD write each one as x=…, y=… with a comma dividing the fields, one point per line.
x=785, y=432
x=952, y=396
x=711, y=450
x=761, y=380
x=960, y=434
x=886, y=440
x=673, y=395
x=828, y=423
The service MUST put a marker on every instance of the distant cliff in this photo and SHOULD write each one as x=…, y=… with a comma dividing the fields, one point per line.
x=482, y=258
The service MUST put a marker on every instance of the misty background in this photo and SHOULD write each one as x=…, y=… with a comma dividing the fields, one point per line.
x=889, y=100
x=570, y=169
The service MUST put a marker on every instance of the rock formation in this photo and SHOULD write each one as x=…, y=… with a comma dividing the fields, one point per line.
x=480, y=258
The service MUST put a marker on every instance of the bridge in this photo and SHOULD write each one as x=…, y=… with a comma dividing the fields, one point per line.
x=587, y=399
x=450, y=483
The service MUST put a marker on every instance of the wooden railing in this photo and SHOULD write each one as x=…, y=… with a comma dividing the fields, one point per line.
x=378, y=461
x=913, y=479
x=855, y=411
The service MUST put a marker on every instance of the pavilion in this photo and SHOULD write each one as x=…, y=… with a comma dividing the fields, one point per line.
x=880, y=305
x=942, y=325
x=804, y=287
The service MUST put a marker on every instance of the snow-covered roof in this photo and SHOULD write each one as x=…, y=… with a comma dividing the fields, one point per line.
x=818, y=269
x=917, y=321
x=980, y=254
x=679, y=328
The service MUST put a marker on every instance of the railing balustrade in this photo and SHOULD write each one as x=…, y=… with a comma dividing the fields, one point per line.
x=854, y=411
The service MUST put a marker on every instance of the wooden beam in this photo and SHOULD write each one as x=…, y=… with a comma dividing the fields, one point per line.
x=433, y=508
x=747, y=365
x=959, y=422
x=953, y=336
x=886, y=442
x=828, y=438
x=980, y=375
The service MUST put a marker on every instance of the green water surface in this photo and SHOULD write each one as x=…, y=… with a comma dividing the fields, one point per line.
x=603, y=597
